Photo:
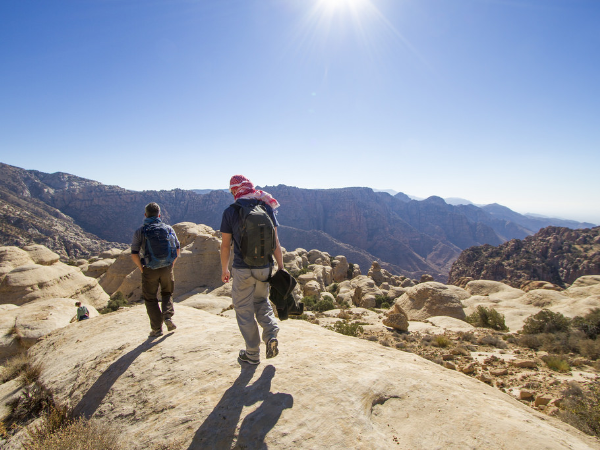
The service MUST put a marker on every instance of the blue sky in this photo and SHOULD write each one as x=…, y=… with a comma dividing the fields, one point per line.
x=488, y=100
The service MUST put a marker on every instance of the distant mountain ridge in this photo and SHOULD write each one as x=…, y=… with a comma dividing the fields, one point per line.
x=407, y=236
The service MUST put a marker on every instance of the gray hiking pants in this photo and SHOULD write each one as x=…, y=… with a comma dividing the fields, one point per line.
x=250, y=296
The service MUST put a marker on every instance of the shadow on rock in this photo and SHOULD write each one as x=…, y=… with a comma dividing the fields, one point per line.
x=218, y=430
x=92, y=399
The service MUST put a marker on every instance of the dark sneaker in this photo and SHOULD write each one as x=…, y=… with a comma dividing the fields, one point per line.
x=170, y=325
x=155, y=333
x=272, y=350
x=243, y=357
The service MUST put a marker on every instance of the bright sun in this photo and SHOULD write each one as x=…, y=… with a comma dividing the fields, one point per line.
x=335, y=4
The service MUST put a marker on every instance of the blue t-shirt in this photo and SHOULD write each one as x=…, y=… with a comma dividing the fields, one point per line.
x=231, y=224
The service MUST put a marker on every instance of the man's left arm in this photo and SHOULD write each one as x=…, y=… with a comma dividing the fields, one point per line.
x=277, y=252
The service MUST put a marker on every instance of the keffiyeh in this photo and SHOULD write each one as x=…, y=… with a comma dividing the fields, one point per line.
x=242, y=187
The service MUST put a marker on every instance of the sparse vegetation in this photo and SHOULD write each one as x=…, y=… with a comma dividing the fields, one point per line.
x=589, y=324
x=347, y=328
x=310, y=301
x=557, y=364
x=20, y=365
x=117, y=301
x=581, y=408
x=441, y=341
x=487, y=318
x=380, y=300
x=325, y=304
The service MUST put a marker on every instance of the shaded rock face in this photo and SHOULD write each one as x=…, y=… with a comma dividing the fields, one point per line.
x=103, y=368
x=30, y=281
x=556, y=255
x=431, y=299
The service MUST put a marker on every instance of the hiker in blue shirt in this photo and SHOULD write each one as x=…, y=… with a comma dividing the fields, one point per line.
x=250, y=289
x=154, y=250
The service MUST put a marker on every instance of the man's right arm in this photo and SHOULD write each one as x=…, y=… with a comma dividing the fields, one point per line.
x=136, y=244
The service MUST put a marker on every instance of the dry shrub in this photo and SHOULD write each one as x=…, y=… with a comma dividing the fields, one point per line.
x=441, y=341
x=581, y=408
x=590, y=348
x=14, y=367
x=530, y=341
x=78, y=434
x=493, y=341
x=556, y=363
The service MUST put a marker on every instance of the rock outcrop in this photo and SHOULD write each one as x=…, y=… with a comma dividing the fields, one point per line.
x=35, y=273
x=104, y=368
x=556, y=255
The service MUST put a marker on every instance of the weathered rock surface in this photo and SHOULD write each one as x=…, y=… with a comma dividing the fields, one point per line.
x=202, y=399
x=33, y=281
x=432, y=299
x=117, y=272
x=21, y=327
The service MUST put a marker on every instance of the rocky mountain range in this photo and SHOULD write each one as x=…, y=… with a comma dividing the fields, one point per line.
x=554, y=254
x=407, y=236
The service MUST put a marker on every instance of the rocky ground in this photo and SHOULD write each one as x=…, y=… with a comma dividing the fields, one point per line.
x=492, y=357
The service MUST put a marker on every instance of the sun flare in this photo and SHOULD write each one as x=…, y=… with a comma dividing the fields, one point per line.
x=338, y=4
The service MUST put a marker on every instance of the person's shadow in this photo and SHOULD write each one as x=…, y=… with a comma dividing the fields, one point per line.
x=91, y=400
x=218, y=430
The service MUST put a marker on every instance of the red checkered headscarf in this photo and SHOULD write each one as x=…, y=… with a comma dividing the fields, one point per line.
x=242, y=187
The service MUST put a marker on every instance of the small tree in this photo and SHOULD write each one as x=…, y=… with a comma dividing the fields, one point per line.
x=546, y=321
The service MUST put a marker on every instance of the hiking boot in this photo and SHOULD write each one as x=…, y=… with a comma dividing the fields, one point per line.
x=155, y=333
x=272, y=350
x=170, y=325
x=243, y=357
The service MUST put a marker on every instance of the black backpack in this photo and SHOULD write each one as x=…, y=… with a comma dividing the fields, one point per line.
x=257, y=234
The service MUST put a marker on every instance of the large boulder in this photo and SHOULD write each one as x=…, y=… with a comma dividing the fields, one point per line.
x=33, y=281
x=318, y=257
x=187, y=232
x=495, y=288
x=199, y=265
x=202, y=398
x=431, y=299
x=396, y=318
x=98, y=268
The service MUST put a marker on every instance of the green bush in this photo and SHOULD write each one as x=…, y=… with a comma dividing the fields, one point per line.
x=385, y=305
x=116, y=301
x=333, y=289
x=347, y=328
x=310, y=302
x=487, y=318
x=325, y=304
x=589, y=324
x=302, y=271
x=381, y=299
x=546, y=321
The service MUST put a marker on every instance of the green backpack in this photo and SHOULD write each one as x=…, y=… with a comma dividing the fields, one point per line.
x=257, y=234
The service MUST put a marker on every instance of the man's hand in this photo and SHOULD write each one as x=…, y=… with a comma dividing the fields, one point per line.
x=225, y=276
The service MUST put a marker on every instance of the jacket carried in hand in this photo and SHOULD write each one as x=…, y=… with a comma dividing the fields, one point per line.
x=282, y=286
